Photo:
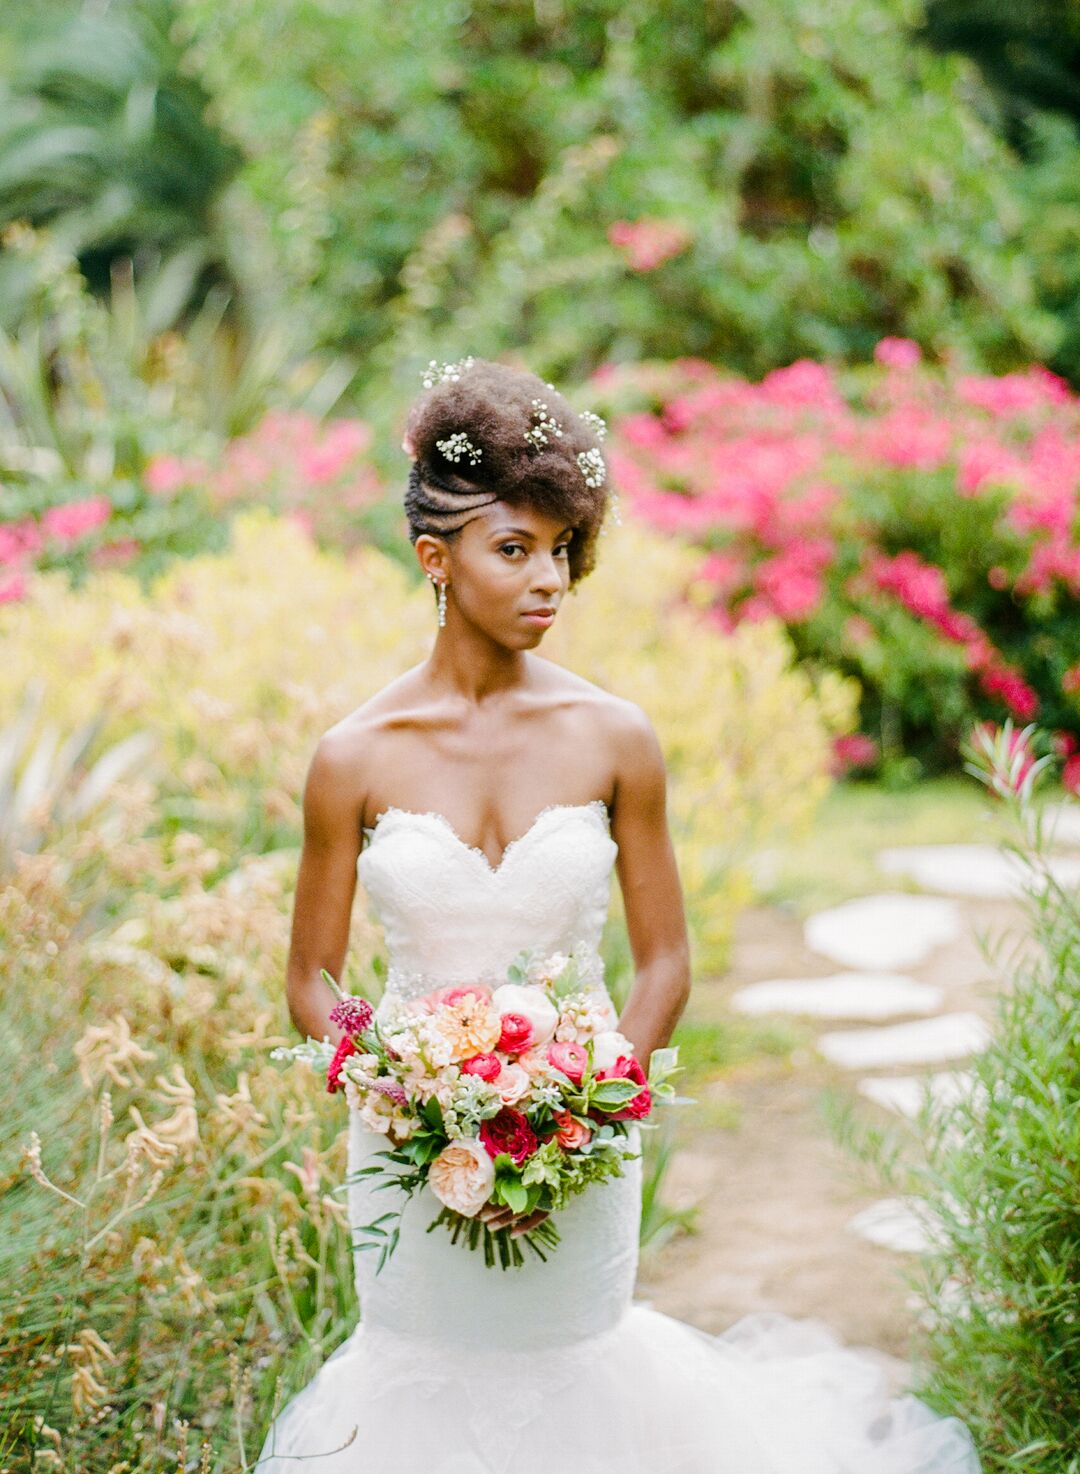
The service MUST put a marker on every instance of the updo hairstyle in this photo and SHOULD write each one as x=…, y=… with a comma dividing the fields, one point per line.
x=484, y=432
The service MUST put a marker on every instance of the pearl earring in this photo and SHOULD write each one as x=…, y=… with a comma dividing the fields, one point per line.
x=442, y=598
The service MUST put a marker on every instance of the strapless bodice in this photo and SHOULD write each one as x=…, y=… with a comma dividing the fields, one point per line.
x=449, y=915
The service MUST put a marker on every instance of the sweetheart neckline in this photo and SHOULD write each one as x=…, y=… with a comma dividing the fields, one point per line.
x=474, y=849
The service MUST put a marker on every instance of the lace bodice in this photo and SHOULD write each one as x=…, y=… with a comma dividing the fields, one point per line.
x=449, y=915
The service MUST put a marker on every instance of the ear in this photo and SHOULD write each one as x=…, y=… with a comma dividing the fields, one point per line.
x=434, y=556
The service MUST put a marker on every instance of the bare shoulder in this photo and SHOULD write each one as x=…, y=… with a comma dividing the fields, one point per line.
x=350, y=753
x=618, y=726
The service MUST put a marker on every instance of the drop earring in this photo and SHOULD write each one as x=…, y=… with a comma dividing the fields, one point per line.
x=442, y=598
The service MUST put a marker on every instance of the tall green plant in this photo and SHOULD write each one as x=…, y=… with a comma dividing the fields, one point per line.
x=998, y=1291
x=105, y=139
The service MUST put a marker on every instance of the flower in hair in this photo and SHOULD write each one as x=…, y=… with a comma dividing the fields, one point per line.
x=538, y=434
x=459, y=445
x=596, y=423
x=445, y=373
x=592, y=467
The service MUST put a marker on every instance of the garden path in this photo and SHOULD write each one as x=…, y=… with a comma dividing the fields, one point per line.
x=784, y=1222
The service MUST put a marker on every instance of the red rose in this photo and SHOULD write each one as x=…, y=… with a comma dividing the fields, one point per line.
x=509, y=1132
x=487, y=1066
x=517, y=1033
x=341, y=1054
x=626, y=1067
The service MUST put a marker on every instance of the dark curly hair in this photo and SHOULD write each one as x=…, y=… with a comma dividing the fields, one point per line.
x=483, y=432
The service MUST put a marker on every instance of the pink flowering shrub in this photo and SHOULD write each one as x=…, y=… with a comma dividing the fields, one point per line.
x=318, y=474
x=917, y=527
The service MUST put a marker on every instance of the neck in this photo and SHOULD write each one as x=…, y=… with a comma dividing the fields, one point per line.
x=465, y=662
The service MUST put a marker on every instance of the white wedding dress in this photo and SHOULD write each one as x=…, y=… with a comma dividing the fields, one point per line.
x=553, y=1368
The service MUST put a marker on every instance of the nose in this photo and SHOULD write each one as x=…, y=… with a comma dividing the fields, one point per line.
x=547, y=576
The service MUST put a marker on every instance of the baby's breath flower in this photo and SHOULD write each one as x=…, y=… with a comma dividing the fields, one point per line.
x=596, y=423
x=459, y=445
x=592, y=467
x=538, y=434
x=445, y=373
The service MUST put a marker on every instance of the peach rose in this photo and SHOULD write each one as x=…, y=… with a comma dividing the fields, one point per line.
x=462, y=1176
x=571, y=1133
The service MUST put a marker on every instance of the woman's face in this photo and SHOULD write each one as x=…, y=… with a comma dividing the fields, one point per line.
x=507, y=565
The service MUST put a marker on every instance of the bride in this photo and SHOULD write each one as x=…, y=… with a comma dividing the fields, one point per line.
x=496, y=792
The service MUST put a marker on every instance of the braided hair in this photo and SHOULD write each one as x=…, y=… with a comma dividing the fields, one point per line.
x=483, y=432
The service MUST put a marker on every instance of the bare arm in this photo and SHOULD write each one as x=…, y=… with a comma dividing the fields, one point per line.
x=652, y=892
x=325, y=886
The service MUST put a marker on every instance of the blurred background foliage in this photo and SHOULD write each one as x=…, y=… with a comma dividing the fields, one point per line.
x=396, y=181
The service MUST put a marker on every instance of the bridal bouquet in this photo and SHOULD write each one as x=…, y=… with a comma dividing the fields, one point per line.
x=519, y=1095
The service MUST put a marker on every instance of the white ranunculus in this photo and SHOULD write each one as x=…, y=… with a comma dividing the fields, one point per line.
x=462, y=1176
x=607, y=1047
x=532, y=1003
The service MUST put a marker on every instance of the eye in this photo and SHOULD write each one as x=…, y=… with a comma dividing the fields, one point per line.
x=503, y=546
x=564, y=547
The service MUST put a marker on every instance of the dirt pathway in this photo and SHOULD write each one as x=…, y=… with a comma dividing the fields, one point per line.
x=776, y=1193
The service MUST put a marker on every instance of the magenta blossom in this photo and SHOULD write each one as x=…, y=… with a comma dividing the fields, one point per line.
x=353, y=1015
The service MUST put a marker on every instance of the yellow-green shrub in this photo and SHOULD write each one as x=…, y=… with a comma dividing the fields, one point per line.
x=238, y=662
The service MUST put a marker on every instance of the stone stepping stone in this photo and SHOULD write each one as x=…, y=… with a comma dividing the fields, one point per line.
x=926, y=1041
x=904, y=1094
x=971, y=869
x=904, y=1225
x=843, y=995
x=890, y=930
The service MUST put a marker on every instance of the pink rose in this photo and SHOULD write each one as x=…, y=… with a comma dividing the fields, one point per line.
x=572, y=1059
x=509, y=1132
x=487, y=1066
x=572, y=1133
x=517, y=1033
x=462, y=1176
x=513, y=1082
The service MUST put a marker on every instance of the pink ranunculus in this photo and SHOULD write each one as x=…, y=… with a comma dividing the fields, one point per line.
x=517, y=1033
x=487, y=1066
x=627, y=1067
x=509, y=1132
x=572, y=1059
x=454, y=992
x=1064, y=743
x=1070, y=774
x=341, y=1054
x=572, y=1133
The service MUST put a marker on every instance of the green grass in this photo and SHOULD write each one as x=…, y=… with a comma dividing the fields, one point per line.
x=835, y=860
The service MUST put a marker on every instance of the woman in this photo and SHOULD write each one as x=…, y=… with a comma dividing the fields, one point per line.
x=497, y=792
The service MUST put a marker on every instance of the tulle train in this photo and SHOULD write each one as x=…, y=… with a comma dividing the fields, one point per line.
x=650, y=1395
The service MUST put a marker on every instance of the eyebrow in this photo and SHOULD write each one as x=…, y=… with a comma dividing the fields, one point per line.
x=524, y=531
